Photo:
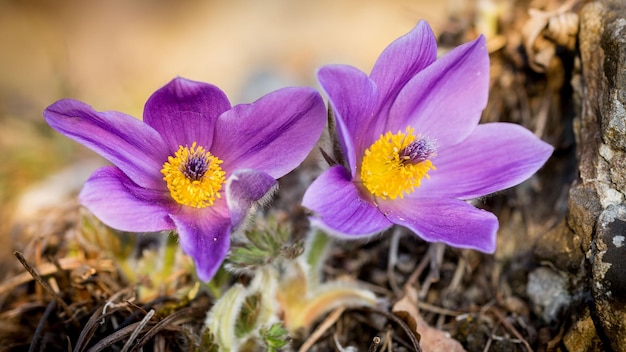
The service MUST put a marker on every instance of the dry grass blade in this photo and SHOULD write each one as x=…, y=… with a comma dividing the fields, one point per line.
x=88, y=330
x=136, y=332
x=116, y=336
x=50, y=268
x=46, y=286
x=41, y=324
x=173, y=319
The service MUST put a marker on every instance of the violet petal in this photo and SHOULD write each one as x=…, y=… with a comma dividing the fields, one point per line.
x=273, y=134
x=451, y=221
x=402, y=60
x=243, y=189
x=353, y=98
x=340, y=208
x=134, y=147
x=445, y=100
x=204, y=235
x=494, y=157
x=118, y=202
x=185, y=111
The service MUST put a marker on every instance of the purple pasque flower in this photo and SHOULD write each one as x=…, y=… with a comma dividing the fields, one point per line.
x=413, y=149
x=194, y=164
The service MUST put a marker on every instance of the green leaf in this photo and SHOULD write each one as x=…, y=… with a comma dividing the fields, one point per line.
x=248, y=315
x=275, y=338
x=264, y=245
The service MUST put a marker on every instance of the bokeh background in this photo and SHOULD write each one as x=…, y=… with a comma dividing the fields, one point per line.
x=112, y=54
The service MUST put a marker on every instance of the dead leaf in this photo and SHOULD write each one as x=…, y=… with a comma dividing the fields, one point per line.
x=432, y=340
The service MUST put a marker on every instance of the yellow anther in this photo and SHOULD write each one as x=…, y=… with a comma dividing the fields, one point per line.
x=194, y=176
x=385, y=172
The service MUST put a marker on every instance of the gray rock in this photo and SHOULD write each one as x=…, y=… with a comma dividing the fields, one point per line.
x=609, y=274
x=548, y=290
x=597, y=211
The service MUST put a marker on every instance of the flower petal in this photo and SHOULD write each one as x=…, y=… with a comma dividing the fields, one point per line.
x=494, y=157
x=402, y=60
x=185, y=111
x=118, y=202
x=339, y=207
x=243, y=189
x=134, y=147
x=273, y=134
x=445, y=100
x=353, y=97
x=450, y=221
x=204, y=235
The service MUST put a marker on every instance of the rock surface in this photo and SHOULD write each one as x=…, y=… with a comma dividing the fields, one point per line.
x=597, y=212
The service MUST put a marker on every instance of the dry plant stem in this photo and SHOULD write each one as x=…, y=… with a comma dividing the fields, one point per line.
x=437, y=310
x=42, y=322
x=417, y=272
x=321, y=329
x=458, y=275
x=38, y=246
x=49, y=268
x=113, y=338
x=92, y=324
x=121, y=334
x=98, y=318
x=511, y=328
x=388, y=340
x=374, y=344
x=390, y=316
x=140, y=327
x=33, y=272
x=181, y=316
x=435, y=253
x=393, y=259
x=490, y=340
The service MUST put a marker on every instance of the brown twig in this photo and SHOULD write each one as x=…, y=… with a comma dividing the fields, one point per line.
x=33, y=272
x=321, y=329
x=49, y=268
x=417, y=272
x=435, y=253
x=507, y=324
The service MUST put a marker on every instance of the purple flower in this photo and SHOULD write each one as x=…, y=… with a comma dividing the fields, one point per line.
x=414, y=150
x=195, y=164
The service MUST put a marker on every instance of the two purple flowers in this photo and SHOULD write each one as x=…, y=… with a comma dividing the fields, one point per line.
x=408, y=132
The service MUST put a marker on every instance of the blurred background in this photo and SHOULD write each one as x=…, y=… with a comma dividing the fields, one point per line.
x=112, y=54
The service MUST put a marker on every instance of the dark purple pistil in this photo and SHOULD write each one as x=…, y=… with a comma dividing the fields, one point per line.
x=419, y=150
x=195, y=167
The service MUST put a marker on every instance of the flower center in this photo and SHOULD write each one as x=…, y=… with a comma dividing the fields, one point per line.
x=194, y=176
x=396, y=163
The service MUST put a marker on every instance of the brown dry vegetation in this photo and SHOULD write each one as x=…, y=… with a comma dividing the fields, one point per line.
x=114, y=54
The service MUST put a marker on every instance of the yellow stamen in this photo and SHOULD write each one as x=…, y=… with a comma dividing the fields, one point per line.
x=387, y=174
x=194, y=176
